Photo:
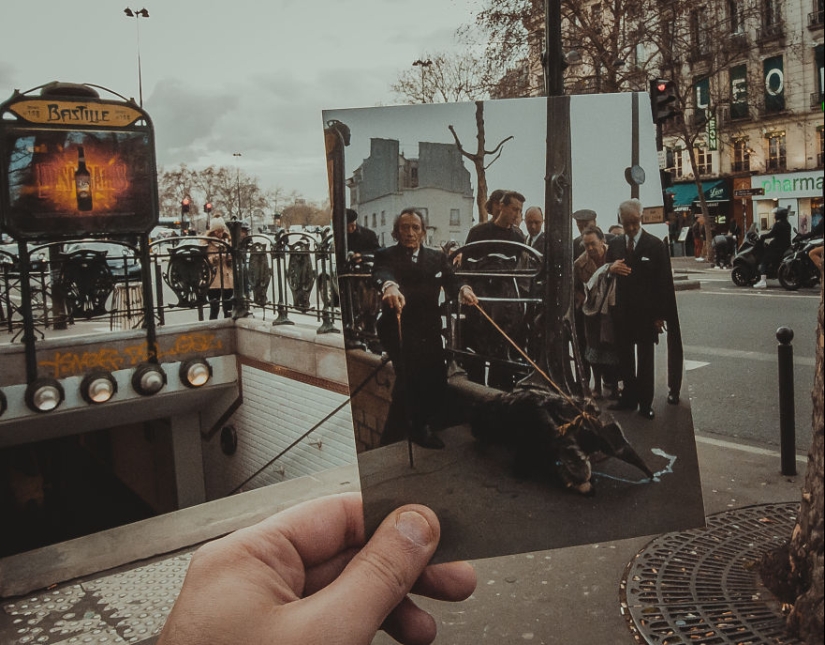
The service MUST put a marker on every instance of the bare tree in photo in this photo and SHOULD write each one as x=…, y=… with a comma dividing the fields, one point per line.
x=478, y=159
x=456, y=77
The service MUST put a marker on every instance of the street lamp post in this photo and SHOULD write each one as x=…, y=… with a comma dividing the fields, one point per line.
x=238, y=182
x=137, y=15
x=423, y=64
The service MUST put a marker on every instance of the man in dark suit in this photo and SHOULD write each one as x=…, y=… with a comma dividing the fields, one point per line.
x=410, y=278
x=360, y=239
x=640, y=266
x=534, y=222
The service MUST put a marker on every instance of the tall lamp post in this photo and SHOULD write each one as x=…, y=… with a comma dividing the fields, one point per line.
x=238, y=183
x=137, y=15
x=423, y=64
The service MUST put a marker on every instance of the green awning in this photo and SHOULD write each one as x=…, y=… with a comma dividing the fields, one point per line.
x=684, y=195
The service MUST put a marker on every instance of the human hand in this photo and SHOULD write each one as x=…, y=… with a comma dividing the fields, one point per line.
x=620, y=268
x=305, y=576
x=394, y=298
x=467, y=296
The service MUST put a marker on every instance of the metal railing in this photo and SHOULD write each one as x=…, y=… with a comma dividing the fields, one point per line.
x=286, y=278
x=272, y=276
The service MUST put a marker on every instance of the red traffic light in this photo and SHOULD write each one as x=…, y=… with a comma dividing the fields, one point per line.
x=663, y=99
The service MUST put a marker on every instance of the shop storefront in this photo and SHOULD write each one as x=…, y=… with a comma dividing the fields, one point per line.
x=799, y=192
x=717, y=196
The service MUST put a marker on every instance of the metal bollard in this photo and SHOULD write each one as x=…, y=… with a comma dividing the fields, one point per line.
x=787, y=423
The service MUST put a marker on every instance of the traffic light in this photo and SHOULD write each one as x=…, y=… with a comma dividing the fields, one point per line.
x=663, y=100
x=184, y=205
x=207, y=207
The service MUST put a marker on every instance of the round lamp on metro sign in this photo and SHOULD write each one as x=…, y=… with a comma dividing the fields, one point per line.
x=148, y=379
x=195, y=372
x=98, y=387
x=44, y=394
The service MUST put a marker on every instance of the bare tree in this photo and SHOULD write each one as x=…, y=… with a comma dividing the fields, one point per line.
x=477, y=158
x=232, y=192
x=443, y=78
x=303, y=213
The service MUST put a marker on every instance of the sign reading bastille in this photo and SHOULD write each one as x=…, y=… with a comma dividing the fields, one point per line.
x=73, y=164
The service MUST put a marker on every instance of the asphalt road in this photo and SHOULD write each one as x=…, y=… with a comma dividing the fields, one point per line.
x=731, y=365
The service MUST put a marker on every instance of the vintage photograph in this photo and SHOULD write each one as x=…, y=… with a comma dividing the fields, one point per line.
x=504, y=376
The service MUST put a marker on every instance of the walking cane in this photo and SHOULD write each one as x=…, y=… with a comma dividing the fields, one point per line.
x=402, y=369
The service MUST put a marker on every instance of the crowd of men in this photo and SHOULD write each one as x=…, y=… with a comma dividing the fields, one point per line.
x=624, y=301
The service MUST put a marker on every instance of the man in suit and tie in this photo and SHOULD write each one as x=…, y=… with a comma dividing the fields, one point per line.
x=640, y=267
x=411, y=277
x=534, y=221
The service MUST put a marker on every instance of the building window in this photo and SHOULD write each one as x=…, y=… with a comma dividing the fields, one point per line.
x=820, y=158
x=455, y=217
x=375, y=220
x=735, y=17
x=741, y=156
x=383, y=218
x=704, y=161
x=776, y=151
x=699, y=32
x=771, y=15
x=678, y=169
x=739, y=92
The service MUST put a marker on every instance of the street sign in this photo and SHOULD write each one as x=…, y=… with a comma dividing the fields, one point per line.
x=747, y=192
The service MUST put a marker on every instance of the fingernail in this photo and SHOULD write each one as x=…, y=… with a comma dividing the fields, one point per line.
x=415, y=528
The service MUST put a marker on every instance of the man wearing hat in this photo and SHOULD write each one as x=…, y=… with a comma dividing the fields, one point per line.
x=584, y=218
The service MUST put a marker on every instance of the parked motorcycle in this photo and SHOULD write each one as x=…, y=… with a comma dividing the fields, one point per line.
x=797, y=269
x=746, y=262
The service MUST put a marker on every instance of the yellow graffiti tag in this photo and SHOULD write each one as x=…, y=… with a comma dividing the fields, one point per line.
x=68, y=363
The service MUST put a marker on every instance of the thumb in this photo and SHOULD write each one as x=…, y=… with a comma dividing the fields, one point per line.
x=384, y=571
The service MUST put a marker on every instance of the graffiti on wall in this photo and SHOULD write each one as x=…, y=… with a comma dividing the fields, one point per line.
x=72, y=362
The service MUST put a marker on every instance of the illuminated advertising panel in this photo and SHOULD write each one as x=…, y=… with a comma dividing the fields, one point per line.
x=76, y=167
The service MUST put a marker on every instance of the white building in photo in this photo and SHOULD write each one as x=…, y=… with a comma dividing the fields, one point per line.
x=436, y=183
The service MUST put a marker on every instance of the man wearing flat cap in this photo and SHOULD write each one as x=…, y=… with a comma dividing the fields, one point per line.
x=584, y=217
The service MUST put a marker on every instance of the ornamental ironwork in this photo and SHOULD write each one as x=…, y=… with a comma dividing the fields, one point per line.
x=189, y=275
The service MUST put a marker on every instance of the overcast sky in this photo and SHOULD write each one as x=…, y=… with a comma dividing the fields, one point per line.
x=242, y=76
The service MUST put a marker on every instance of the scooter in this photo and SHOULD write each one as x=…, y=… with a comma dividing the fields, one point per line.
x=746, y=262
x=797, y=269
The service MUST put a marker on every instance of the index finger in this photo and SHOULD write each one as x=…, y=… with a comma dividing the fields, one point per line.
x=318, y=530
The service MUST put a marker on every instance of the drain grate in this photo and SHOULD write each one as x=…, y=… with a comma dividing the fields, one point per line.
x=701, y=586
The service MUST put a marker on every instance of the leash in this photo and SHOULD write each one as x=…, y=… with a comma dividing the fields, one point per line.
x=582, y=414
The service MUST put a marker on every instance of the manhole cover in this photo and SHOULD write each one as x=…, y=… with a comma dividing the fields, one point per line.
x=701, y=586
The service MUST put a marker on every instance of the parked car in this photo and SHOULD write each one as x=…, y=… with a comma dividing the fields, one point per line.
x=9, y=256
x=122, y=261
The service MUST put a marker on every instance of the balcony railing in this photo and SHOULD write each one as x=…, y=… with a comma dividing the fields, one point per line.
x=771, y=32
x=817, y=99
x=815, y=19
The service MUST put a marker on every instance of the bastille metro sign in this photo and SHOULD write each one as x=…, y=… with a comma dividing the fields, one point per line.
x=73, y=164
